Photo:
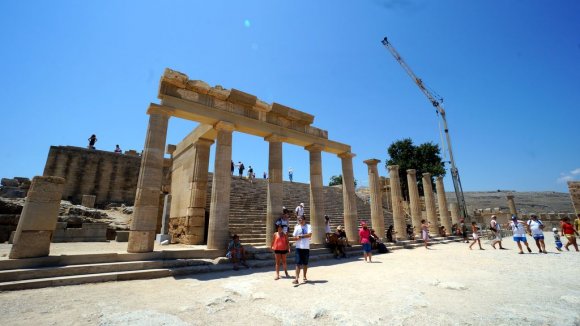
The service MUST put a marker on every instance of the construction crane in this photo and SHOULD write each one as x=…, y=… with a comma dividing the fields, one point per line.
x=436, y=102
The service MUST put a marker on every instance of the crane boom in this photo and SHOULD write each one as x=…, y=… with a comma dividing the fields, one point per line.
x=441, y=111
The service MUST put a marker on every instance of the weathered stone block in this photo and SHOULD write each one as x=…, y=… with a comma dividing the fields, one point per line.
x=9, y=182
x=31, y=244
x=89, y=201
x=122, y=236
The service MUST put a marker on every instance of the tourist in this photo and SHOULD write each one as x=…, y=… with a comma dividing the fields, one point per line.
x=283, y=221
x=236, y=252
x=557, y=239
x=302, y=234
x=92, y=140
x=410, y=232
x=364, y=234
x=496, y=229
x=251, y=174
x=342, y=242
x=570, y=234
x=232, y=166
x=265, y=175
x=290, y=174
x=463, y=229
x=442, y=231
x=280, y=246
x=425, y=233
x=299, y=211
x=241, y=168
x=374, y=239
x=327, y=229
x=519, y=231
x=536, y=231
x=118, y=149
x=577, y=223
x=390, y=233
x=475, y=230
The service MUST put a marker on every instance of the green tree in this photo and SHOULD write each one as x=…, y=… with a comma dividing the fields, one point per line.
x=337, y=180
x=423, y=158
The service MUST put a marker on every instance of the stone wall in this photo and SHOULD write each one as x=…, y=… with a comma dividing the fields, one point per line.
x=109, y=176
x=574, y=188
x=88, y=232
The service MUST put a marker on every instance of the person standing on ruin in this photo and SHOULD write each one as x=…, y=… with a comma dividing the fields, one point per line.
x=302, y=234
x=364, y=235
x=241, y=168
x=251, y=174
x=92, y=140
x=299, y=210
x=290, y=174
x=519, y=230
x=232, y=167
x=283, y=221
x=265, y=175
x=536, y=228
x=280, y=246
x=496, y=229
x=118, y=149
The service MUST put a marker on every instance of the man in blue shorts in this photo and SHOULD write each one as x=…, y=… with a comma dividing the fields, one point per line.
x=302, y=234
x=519, y=229
x=536, y=227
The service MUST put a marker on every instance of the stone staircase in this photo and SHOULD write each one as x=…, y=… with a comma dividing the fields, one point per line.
x=248, y=207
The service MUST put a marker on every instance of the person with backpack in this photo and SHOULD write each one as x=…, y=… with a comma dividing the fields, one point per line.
x=536, y=231
x=496, y=229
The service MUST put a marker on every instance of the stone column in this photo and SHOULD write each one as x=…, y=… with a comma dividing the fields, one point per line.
x=377, y=217
x=442, y=201
x=89, y=201
x=349, y=196
x=316, y=194
x=275, y=188
x=430, y=204
x=38, y=218
x=218, y=230
x=195, y=219
x=397, y=199
x=386, y=190
x=454, y=208
x=512, y=205
x=164, y=232
x=142, y=234
x=415, y=200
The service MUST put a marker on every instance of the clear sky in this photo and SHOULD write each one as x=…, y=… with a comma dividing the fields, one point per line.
x=509, y=72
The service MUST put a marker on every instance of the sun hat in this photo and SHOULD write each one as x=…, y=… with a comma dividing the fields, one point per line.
x=554, y=230
x=302, y=204
x=363, y=223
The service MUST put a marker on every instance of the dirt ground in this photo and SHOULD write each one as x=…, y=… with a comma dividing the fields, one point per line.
x=447, y=285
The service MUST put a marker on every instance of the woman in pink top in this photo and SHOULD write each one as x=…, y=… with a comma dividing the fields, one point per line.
x=280, y=246
x=364, y=234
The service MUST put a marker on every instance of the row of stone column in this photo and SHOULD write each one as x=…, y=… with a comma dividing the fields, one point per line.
x=399, y=223
x=142, y=234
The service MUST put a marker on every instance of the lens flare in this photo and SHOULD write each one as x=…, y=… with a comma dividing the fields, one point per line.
x=247, y=23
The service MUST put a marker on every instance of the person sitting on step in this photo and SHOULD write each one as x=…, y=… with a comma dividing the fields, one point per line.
x=236, y=252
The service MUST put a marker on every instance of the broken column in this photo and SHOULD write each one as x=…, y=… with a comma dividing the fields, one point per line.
x=415, y=200
x=88, y=201
x=195, y=219
x=430, y=205
x=38, y=218
x=219, y=211
x=144, y=224
x=316, y=194
x=349, y=196
x=397, y=199
x=442, y=201
x=512, y=204
x=377, y=217
x=454, y=208
x=164, y=233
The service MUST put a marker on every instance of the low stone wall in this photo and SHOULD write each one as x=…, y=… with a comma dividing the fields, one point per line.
x=89, y=232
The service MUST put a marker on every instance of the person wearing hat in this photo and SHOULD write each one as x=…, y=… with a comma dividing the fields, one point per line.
x=557, y=239
x=496, y=229
x=519, y=230
x=302, y=234
x=536, y=230
x=364, y=235
x=299, y=210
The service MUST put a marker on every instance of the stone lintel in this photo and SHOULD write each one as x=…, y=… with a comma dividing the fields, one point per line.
x=224, y=126
x=204, y=142
x=170, y=149
x=372, y=161
x=160, y=109
x=242, y=98
x=292, y=114
x=202, y=131
x=314, y=148
x=273, y=138
x=346, y=155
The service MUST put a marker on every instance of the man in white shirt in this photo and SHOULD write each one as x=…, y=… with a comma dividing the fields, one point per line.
x=496, y=228
x=536, y=228
x=302, y=234
x=299, y=211
x=519, y=229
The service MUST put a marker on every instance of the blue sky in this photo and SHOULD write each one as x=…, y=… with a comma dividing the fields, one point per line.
x=509, y=72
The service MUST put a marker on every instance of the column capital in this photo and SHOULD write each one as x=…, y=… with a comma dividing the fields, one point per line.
x=372, y=161
x=203, y=142
x=411, y=171
x=426, y=175
x=393, y=167
x=439, y=177
x=346, y=155
x=170, y=149
x=159, y=109
x=314, y=148
x=273, y=138
x=224, y=126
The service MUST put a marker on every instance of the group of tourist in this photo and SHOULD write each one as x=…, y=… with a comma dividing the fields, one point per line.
x=93, y=140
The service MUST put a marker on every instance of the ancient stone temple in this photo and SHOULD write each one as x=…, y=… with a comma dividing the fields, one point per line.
x=220, y=112
x=574, y=188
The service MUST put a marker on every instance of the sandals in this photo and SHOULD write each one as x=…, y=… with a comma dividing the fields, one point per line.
x=304, y=280
x=277, y=278
x=295, y=281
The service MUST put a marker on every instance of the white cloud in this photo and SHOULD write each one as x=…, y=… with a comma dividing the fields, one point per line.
x=572, y=175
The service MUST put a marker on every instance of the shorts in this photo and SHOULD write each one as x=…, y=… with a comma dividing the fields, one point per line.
x=281, y=252
x=475, y=236
x=302, y=256
x=538, y=236
x=570, y=236
x=521, y=238
x=366, y=247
